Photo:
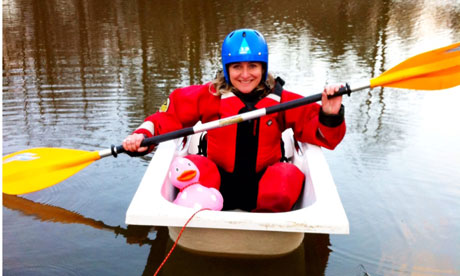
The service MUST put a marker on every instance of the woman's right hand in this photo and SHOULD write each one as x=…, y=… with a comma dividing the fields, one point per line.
x=133, y=142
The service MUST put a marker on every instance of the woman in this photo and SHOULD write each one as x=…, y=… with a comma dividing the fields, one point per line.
x=248, y=154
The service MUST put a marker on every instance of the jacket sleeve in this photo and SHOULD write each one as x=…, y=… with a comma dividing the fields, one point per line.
x=179, y=110
x=313, y=126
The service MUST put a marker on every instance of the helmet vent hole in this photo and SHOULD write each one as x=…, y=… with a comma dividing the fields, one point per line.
x=244, y=34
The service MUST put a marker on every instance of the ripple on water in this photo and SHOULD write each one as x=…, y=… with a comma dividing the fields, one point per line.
x=43, y=270
x=63, y=194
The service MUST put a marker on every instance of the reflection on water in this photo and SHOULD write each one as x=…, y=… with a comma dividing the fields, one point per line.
x=314, y=249
x=43, y=212
x=133, y=234
x=310, y=258
x=82, y=74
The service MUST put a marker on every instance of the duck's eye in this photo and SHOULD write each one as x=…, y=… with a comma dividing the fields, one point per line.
x=177, y=169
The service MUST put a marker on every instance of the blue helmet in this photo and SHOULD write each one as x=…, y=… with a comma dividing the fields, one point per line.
x=244, y=45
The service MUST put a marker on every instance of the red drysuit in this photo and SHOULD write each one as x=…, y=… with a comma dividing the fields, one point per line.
x=244, y=151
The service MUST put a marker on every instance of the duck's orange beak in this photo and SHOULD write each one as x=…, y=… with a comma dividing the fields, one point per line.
x=187, y=175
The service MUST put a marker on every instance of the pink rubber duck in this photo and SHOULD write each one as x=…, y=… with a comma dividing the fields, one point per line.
x=185, y=176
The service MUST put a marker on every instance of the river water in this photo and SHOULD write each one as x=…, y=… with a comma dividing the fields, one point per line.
x=83, y=74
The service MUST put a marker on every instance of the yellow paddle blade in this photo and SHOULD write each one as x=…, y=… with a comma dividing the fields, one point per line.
x=39, y=168
x=433, y=70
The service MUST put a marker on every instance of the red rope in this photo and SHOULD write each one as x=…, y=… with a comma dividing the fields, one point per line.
x=177, y=240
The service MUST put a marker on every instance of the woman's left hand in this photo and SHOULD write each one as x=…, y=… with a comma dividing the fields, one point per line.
x=331, y=106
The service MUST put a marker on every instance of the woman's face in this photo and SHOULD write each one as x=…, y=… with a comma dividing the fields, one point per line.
x=245, y=76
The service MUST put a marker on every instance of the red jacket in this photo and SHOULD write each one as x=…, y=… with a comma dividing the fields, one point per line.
x=186, y=106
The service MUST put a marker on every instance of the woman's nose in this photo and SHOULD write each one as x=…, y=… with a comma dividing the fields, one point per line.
x=245, y=71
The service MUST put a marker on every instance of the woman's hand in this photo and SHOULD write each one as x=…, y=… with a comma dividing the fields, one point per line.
x=331, y=106
x=133, y=143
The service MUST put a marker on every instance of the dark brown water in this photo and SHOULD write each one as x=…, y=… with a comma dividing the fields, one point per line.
x=84, y=74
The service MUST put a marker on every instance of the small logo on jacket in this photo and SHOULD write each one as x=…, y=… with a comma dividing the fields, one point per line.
x=164, y=107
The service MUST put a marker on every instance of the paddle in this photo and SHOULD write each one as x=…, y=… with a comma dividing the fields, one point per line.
x=35, y=169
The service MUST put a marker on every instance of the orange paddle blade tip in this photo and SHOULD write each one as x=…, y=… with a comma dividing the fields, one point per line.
x=432, y=70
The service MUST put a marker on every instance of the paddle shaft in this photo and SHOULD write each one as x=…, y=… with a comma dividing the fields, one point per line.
x=115, y=150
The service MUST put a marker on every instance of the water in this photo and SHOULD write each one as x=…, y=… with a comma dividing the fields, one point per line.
x=83, y=74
